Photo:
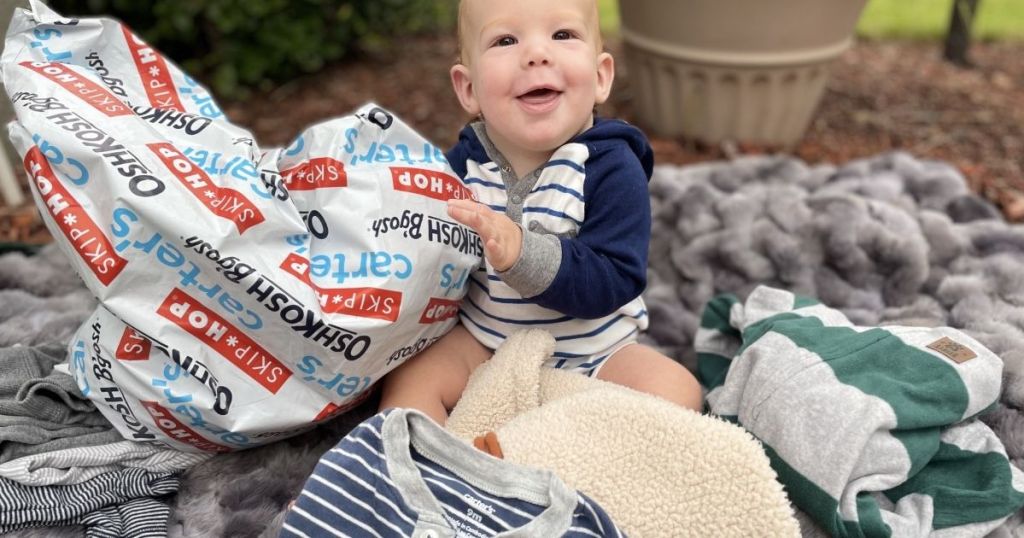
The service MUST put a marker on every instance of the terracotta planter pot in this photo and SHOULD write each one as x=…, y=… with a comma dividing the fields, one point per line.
x=742, y=70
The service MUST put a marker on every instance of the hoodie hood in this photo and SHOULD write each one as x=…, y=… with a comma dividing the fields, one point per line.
x=613, y=131
x=605, y=133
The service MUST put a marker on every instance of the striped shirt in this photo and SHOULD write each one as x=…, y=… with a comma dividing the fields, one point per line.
x=400, y=474
x=585, y=216
x=872, y=430
x=76, y=465
x=121, y=504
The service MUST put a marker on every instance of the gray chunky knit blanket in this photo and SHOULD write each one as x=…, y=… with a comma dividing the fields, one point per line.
x=887, y=240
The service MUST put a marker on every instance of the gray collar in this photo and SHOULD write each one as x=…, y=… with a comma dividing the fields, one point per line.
x=405, y=427
x=508, y=174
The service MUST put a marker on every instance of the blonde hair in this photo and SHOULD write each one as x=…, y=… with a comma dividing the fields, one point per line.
x=460, y=50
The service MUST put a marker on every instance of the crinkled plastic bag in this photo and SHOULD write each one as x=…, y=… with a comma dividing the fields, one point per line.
x=244, y=296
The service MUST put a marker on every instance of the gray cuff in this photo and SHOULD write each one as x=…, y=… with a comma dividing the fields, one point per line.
x=537, y=265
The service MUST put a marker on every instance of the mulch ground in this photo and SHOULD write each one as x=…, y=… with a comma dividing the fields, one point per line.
x=881, y=96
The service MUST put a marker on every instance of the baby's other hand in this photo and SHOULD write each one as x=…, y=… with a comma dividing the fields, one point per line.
x=502, y=238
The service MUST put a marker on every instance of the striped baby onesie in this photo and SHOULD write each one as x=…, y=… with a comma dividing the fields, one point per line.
x=399, y=474
x=872, y=430
x=586, y=223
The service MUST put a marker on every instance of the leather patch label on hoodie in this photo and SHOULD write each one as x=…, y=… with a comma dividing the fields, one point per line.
x=953, y=350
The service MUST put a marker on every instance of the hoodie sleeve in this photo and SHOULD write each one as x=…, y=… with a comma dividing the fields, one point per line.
x=605, y=265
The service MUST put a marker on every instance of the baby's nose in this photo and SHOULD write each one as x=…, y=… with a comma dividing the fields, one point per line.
x=537, y=54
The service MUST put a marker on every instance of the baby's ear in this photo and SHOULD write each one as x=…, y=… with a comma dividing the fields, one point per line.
x=462, y=82
x=605, y=77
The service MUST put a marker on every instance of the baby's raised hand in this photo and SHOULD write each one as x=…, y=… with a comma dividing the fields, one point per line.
x=502, y=238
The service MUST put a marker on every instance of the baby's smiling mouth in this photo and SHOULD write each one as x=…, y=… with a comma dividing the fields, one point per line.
x=539, y=96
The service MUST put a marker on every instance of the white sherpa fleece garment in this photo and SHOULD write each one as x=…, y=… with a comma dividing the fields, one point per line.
x=657, y=468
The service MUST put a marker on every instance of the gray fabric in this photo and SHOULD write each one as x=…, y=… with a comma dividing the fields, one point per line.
x=42, y=410
x=31, y=320
x=890, y=239
x=76, y=465
x=45, y=274
x=887, y=240
x=537, y=265
x=30, y=387
x=29, y=439
x=42, y=299
x=516, y=187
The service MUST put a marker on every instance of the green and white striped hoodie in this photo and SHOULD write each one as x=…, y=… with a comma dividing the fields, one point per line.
x=871, y=429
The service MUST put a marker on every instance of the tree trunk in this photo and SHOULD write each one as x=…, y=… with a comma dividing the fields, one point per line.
x=958, y=40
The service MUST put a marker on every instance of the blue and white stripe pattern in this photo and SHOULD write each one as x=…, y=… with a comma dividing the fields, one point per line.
x=493, y=310
x=399, y=474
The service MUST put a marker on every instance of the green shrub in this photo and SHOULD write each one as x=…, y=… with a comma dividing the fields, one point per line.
x=237, y=45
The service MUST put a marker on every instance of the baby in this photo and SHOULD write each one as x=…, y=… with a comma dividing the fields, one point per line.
x=563, y=211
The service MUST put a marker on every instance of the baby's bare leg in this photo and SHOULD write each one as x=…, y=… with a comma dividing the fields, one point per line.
x=642, y=368
x=433, y=380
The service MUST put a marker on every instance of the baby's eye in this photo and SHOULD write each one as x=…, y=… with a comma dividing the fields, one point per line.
x=505, y=41
x=563, y=34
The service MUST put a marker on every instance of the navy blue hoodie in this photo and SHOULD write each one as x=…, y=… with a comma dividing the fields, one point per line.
x=604, y=266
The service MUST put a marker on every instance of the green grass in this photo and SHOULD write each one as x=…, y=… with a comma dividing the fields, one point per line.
x=917, y=19
x=929, y=19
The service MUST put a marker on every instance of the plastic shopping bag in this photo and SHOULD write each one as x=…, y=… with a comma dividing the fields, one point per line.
x=244, y=295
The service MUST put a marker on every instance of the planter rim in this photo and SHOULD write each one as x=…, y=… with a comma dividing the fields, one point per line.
x=727, y=58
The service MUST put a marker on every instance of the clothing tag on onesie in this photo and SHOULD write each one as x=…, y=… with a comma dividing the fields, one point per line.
x=952, y=349
x=477, y=519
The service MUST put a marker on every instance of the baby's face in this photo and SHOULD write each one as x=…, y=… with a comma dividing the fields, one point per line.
x=533, y=68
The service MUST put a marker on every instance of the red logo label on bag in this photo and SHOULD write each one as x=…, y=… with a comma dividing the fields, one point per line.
x=374, y=303
x=133, y=346
x=298, y=267
x=177, y=430
x=438, y=310
x=318, y=173
x=93, y=94
x=224, y=202
x=429, y=183
x=156, y=78
x=219, y=335
x=80, y=230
